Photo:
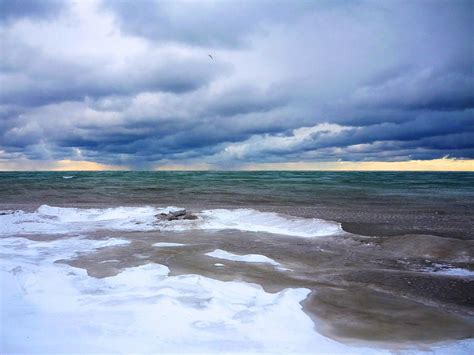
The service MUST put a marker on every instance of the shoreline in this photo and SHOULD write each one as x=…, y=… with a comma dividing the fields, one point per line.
x=365, y=222
x=365, y=291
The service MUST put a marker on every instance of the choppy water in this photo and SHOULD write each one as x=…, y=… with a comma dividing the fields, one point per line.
x=376, y=202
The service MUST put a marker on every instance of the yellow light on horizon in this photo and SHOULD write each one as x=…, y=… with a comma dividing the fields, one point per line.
x=443, y=164
x=83, y=165
x=58, y=165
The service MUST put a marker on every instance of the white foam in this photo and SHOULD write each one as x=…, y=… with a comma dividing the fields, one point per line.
x=60, y=309
x=54, y=220
x=68, y=176
x=248, y=258
x=167, y=245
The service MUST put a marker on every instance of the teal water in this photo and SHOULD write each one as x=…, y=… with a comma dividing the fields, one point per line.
x=230, y=188
x=424, y=202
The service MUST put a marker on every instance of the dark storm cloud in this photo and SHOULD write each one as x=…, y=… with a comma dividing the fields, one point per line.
x=440, y=89
x=47, y=79
x=426, y=125
x=246, y=99
x=131, y=82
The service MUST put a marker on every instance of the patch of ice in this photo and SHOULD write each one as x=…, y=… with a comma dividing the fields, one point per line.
x=167, y=245
x=456, y=271
x=254, y=221
x=455, y=347
x=60, y=309
x=51, y=307
x=141, y=256
x=248, y=258
x=22, y=248
x=58, y=220
x=450, y=270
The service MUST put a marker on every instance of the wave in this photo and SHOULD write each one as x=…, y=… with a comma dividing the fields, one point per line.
x=48, y=219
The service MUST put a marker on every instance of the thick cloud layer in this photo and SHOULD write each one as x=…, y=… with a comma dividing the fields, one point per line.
x=150, y=83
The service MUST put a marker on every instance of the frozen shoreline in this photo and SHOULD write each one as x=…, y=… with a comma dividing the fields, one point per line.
x=141, y=306
x=59, y=220
x=142, y=309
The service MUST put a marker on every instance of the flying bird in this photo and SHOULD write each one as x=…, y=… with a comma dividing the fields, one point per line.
x=210, y=56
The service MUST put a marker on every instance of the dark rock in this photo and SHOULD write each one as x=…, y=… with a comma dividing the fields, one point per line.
x=4, y=213
x=178, y=213
x=190, y=216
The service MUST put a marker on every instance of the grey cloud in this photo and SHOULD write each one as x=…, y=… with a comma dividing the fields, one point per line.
x=11, y=10
x=47, y=80
x=397, y=75
x=244, y=100
x=443, y=89
x=417, y=131
x=206, y=23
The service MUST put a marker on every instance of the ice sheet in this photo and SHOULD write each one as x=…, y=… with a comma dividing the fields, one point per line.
x=167, y=245
x=50, y=308
x=58, y=220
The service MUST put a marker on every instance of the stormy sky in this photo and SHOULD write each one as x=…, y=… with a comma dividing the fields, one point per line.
x=131, y=83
